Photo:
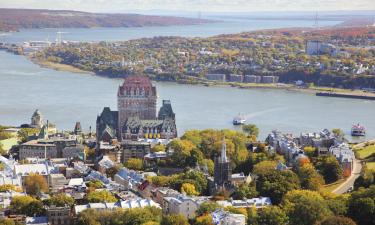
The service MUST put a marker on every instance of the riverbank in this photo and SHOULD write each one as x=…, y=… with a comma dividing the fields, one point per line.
x=198, y=81
x=59, y=66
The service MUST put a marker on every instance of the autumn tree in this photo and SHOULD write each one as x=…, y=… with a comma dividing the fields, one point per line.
x=134, y=164
x=95, y=184
x=309, y=177
x=158, y=148
x=60, y=200
x=35, y=183
x=174, y=219
x=189, y=189
x=27, y=205
x=205, y=219
x=264, y=167
x=310, y=151
x=101, y=196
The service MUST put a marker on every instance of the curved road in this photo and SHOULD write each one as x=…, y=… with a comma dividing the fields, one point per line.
x=344, y=187
x=356, y=172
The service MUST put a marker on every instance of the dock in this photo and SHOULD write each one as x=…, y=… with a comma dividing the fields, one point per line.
x=352, y=96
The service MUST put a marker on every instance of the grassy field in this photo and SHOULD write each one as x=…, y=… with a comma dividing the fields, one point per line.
x=366, y=151
x=333, y=186
x=58, y=66
x=371, y=165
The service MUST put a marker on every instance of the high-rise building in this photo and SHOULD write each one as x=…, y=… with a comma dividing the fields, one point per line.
x=222, y=169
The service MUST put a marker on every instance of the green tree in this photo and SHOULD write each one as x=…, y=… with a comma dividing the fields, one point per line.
x=330, y=168
x=134, y=164
x=272, y=215
x=245, y=191
x=24, y=133
x=101, y=196
x=366, y=179
x=208, y=207
x=251, y=129
x=252, y=216
x=89, y=217
x=174, y=219
x=362, y=205
x=194, y=177
x=276, y=184
x=337, y=220
x=305, y=207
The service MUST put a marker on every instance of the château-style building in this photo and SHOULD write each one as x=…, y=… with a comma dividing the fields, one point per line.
x=136, y=116
x=36, y=119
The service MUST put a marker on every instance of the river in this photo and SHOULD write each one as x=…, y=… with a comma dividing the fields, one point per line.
x=228, y=26
x=64, y=98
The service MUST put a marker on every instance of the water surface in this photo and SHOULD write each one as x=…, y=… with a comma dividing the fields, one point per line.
x=65, y=98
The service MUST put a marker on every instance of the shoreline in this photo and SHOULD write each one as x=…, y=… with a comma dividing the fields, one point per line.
x=58, y=66
x=280, y=86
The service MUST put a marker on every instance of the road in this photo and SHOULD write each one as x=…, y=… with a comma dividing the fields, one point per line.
x=357, y=166
x=344, y=187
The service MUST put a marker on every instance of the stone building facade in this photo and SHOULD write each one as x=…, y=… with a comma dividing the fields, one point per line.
x=222, y=169
x=60, y=215
x=50, y=148
x=136, y=98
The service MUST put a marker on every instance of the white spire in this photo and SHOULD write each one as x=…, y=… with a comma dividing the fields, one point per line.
x=224, y=151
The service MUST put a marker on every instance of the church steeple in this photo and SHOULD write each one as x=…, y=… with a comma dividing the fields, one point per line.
x=223, y=156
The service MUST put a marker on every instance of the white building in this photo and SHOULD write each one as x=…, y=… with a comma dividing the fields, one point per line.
x=221, y=217
x=246, y=203
x=128, y=204
x=182, y=204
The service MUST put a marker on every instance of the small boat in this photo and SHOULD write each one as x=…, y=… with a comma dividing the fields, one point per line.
x=239, y=120
x=358, y=130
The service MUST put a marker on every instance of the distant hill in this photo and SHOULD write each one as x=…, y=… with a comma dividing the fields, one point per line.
x=14, y=19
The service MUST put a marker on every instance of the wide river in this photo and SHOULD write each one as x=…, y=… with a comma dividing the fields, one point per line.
x=64, y=98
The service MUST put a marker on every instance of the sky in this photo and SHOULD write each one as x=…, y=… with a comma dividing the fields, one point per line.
x=192, y=5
